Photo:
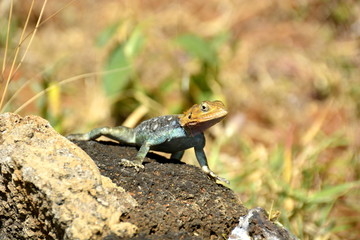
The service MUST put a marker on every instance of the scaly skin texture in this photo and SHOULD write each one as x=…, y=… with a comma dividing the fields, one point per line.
x=171, y=133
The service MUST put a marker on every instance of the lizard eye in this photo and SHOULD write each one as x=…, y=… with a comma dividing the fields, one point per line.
x=204, y=107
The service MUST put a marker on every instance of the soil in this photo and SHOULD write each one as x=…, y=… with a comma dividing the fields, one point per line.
x=176, y=200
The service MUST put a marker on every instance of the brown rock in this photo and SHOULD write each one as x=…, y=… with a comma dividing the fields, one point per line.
x=256, y=225
x=49, y=188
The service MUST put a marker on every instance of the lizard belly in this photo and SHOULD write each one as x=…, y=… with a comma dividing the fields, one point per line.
x=175, y=145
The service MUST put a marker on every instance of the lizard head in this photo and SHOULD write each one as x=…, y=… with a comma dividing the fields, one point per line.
x=202, y=116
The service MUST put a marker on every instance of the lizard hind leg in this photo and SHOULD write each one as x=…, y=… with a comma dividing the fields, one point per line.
x=121, y=134
x=177, y=155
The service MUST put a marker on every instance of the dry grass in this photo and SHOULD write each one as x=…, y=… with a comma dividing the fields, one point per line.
x=287, y=70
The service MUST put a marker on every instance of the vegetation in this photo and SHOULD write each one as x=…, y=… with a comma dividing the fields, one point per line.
x=287, y=70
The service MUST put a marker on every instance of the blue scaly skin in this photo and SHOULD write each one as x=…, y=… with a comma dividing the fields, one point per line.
x=171, y=134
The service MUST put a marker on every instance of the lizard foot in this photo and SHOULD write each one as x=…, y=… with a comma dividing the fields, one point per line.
x=221, y=179
x=128, y=163
x=213, y=175
x=77, y=137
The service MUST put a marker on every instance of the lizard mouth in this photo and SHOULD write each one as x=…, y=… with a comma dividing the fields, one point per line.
x=218, y=114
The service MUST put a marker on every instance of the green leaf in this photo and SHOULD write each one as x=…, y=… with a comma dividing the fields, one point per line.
x=116, y=81
x=107, y=34
x=276, y=159
x=331, y=193
x=134, y=45
x=121, y=58
x=220, y=39
x=198, y=47
x=325, y=212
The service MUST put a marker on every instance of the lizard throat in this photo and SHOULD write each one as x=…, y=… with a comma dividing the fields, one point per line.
x=200, y=127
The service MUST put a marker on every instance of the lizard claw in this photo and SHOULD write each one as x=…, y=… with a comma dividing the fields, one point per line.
x=128, y=163
x=213, y=175
x=221, y=179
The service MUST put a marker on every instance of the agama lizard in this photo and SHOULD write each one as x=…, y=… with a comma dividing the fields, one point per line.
x=171, y=134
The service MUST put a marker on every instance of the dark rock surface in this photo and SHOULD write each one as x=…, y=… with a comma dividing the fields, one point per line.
x=176, y=200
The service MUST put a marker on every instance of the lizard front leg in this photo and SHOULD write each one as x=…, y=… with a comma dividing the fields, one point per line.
x=201, y=157
x=139, y=158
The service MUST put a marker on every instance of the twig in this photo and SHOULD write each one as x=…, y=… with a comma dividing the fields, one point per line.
x=68, y=80
x=7, y=38
x=16, y=55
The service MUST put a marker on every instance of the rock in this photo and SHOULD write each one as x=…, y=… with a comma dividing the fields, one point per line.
x=51, y=189
x=255, y=225
x=176, y=200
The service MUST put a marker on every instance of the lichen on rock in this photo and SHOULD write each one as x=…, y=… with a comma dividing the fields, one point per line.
x=51, y=188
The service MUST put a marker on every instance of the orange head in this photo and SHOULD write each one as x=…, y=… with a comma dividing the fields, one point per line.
x=202, y=116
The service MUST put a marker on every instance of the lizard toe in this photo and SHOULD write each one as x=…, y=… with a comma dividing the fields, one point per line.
x=213, y=175
x=128, y=163
x=222, y=179
x=77, y=137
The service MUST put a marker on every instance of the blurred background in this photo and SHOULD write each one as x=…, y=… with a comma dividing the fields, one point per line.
x=288, y=72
